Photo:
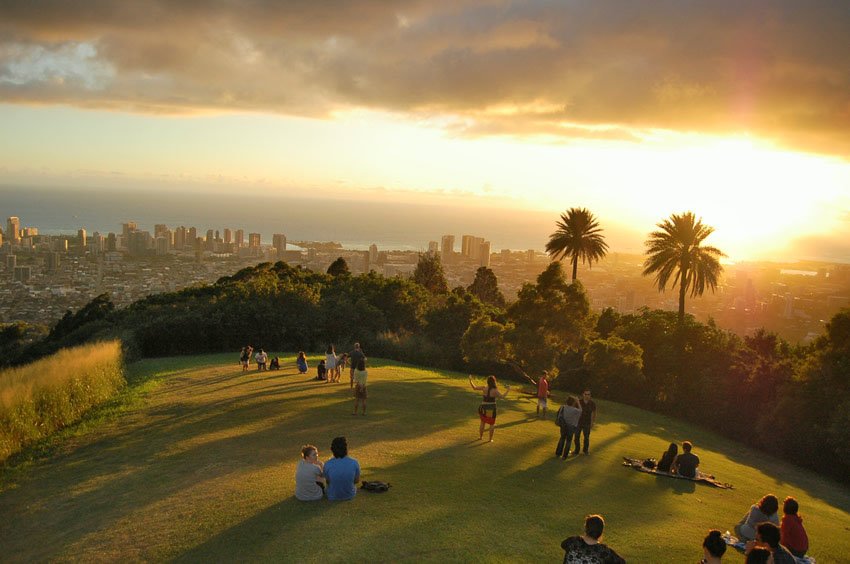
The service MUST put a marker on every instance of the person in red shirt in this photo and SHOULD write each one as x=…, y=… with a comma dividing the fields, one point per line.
x=794, y=536
x=543, y=393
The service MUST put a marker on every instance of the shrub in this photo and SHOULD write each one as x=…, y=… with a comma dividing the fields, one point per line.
x=40, y=398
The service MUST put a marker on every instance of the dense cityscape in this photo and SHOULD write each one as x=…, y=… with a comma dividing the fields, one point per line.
x=46, y=275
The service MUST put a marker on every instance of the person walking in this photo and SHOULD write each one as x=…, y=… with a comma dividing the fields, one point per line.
x=586, y=421
x=567, y=418
x=487, y=409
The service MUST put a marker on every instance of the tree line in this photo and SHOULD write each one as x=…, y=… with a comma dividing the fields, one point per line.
x=793, y=401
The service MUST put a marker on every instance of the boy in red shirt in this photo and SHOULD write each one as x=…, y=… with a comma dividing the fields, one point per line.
x=543, y=393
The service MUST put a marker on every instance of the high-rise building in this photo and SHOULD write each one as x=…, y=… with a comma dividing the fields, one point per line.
x=140, y=242
x=465, y=243
x=159, y=229
x=447, y=248
x=126, y=229
x=191, y=237
x=1, y=237
x=279, y=243
x=96, y=243
x=28, y=232
x=484, y=254
x=162, y=245
x=210, y=240
x=60, y=245
x=22, y=273
x=240, y=237
x=111, y=242
x=180, y=238
x=13, y=229
x=228, y=236
x=254, y=240
x=54, y=260
x=433, y=247
x=11, y=262
x=81, y=238
x=373, y=253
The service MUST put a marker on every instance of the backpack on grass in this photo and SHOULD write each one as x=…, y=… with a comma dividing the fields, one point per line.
x=375, y=486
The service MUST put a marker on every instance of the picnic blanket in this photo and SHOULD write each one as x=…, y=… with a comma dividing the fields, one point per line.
x=741, y=546
x=637, y=464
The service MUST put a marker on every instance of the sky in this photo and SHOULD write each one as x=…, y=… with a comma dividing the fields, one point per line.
x=739, y=112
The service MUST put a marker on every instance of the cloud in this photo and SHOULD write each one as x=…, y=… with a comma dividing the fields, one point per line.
x=612, y=69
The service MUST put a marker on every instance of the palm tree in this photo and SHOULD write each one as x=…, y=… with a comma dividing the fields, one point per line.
x=579, y=237
x=677, y=248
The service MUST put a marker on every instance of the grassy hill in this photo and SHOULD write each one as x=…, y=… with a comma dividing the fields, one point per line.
x=203, y=470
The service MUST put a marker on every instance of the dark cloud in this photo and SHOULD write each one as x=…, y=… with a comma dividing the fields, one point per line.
x=776, y=69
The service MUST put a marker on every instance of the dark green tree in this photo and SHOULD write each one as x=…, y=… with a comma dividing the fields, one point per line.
x=486, y=288
x=676, y=251
x=578, y=236
x=429, y=273
x=338, y=268
x=616, y=368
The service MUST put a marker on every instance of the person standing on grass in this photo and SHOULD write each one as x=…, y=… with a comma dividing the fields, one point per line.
x=354, y=356
x=330, y=364
x=360, y=394
x=586, y=421
x=309, y=479
x=567, y=418
x=542, y=388
x=587, y=548
x=341, y=472
x=487, y=409
x=244, y=357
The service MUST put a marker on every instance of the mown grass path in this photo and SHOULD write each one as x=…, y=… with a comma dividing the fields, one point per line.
x=203, y=471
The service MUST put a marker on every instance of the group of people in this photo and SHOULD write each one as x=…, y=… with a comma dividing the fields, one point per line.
x=261, y=358
x=762, y=528
x=337, y=478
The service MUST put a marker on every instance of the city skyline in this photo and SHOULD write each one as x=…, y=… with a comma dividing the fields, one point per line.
x=528, y=109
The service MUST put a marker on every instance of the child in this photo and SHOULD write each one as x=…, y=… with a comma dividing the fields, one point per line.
x=340, y=365
x=275, y=363
x=301, y=361
x=322, y=371
x=794, y=536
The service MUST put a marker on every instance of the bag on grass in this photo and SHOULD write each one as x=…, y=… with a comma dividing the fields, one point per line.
x=375, y=486
x=649, y=463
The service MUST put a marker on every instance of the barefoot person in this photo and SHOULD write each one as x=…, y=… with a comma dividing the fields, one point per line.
x=487, y=409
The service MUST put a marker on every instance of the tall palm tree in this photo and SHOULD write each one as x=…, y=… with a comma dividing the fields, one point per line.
x=579, y=237
x=677, y=249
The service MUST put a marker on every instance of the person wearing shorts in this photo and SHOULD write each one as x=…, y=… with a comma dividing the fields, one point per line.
x=360, y=393
x=487, y=409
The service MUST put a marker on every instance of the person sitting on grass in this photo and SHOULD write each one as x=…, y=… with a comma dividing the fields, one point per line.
x=792, y=532
x=341, y=472
x=301, y=362
x=360, y=394
x=686, y=463
x=667, y=458
x=587, y=548
x=765, y=510
x=309, y=479
x=274, y=364
x=758, y=555
x=713, y=548
x=767, y=536
x=321, y=371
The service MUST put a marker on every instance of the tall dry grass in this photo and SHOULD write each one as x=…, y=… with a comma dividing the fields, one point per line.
x=40, y=398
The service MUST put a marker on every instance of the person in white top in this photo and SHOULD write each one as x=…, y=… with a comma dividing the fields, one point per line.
x=309, y=475
x=330, y=365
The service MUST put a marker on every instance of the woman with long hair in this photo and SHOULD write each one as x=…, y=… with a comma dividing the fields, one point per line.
x=487, y=409
x=330, y=364
x=667, y=458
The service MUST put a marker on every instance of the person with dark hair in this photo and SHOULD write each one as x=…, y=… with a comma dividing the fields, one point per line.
x=487, y=409
x=341, y=472
x=274, y=364
x=668, y=458
x=586, y=421
x=309, y=484
x=567, y=418
x=321, y=371
x=354, y=356
x=767, y=536
x=686, y=463
x=587, y=548
x=765, y=510
x=792, y=532
x=330, y=364
x=261, y=357
x=713, y=547
x=244, y=357
x=360, y=393
x=758, y=555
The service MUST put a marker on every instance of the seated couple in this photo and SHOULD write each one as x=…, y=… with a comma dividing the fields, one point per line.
x=337, y=477
x=684, y=464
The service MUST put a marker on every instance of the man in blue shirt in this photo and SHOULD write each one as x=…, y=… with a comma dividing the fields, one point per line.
x=341, y=472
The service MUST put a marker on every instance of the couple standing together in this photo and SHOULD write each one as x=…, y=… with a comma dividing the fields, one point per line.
x=573, y=417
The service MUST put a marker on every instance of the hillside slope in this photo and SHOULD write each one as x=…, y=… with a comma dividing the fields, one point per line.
x=204, y=471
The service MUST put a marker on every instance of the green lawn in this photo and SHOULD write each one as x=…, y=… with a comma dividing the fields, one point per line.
x=202, y=470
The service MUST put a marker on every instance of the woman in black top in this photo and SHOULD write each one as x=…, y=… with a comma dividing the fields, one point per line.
x=586, y=549
x=667, y=458
x=487, y=409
